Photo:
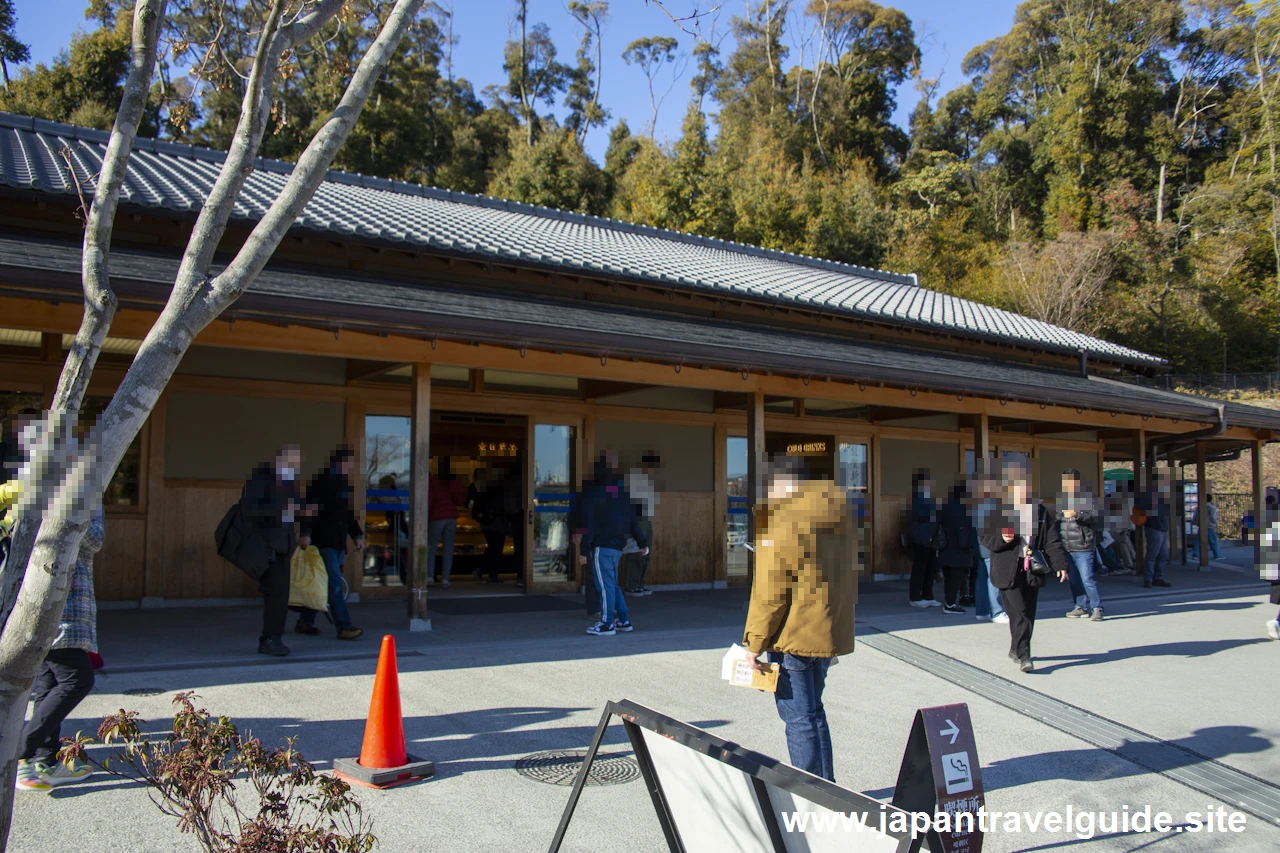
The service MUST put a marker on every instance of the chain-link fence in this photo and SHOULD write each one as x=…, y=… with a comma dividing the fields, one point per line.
x=1232, y=508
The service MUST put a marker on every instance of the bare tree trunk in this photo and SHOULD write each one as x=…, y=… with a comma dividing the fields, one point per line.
x=55, y=513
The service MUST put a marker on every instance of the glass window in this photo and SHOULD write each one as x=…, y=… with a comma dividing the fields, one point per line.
x=736, y=471
x=387, y=476
x=853, y=476
x=552, y=488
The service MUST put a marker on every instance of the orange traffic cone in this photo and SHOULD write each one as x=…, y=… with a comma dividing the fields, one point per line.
x=384, y=761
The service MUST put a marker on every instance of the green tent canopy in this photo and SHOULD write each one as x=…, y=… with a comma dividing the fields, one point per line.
x=1117, y=474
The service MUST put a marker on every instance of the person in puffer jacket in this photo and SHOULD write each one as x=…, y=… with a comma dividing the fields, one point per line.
x=65, y=677
x=1078, y=522
x=607, y=518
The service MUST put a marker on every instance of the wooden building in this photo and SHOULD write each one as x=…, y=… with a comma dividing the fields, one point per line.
x=420, y=324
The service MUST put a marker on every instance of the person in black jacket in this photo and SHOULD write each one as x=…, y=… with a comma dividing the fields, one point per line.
x=956, y=555
x=1010, y=535
x=607, y=518
x=271, y=508
x=923, y=537
x=334, y=521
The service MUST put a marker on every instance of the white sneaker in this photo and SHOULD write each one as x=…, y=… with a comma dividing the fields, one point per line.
x=445, y=584
x=983, y=618
x=919, y=603
x=932, y=602
x=1273, y=629
x=1002, y=618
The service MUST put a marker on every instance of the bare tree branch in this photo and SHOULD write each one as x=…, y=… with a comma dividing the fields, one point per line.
x=695, y=16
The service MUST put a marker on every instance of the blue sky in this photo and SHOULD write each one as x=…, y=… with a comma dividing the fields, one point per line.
x=946, y=29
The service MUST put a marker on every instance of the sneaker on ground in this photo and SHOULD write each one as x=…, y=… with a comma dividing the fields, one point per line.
x=952, y=608
x=1077, y=612
x=1097, y=615
x=1273, y=629
x=1146, y=584
x=600, y=629
x=1160, y=582
x=644, y=590
x=1014, y=657
x=623, y=626
x=1026, y=665
x=61, y=774
x=303, y=628
x=932, y=602
x=30, y=777
x=635, y=593
x=350, y=633
x=1001, y=618
x=919, y=602
x=982, y=618
x=445, y=584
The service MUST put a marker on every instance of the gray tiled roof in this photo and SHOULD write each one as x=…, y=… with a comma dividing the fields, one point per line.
x=178, y=177
x=573, y=325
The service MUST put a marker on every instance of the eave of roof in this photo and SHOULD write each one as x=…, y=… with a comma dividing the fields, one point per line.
x=170, y=176
x=571, y=325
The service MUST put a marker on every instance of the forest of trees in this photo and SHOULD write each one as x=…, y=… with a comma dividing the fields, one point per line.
x=1109, y=165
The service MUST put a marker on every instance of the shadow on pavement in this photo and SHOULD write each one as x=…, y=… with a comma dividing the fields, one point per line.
x=1186, y=649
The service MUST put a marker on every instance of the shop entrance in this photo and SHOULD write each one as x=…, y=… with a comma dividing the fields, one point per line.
x=511, y=505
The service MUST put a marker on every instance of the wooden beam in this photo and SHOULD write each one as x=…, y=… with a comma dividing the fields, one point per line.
x=720, y=475
x=359, y=369
x=1140, y=486
x=51, y=347
x=420, y=471
x=475, y=381
x=38, y=314
x=590, y=389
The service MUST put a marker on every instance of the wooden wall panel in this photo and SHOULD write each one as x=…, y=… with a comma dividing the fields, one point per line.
x=684, y=539
x=118, y=567
x=192, y=568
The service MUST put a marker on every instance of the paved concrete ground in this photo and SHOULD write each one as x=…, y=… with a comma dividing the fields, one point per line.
x=479, y=692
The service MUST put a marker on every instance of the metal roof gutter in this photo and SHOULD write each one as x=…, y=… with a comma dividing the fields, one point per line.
x=1183, y=440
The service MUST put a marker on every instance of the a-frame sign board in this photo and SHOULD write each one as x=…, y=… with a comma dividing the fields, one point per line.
x=713, y=796
x=940, y=773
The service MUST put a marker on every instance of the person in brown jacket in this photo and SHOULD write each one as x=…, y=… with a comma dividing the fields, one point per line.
x=802, y=603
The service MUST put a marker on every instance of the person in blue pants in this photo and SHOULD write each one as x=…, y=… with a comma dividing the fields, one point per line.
x=607, y=518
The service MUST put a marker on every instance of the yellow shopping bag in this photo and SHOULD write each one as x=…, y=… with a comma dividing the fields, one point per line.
x=308, y=579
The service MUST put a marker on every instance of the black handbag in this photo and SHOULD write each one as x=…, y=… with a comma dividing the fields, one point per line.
x=1038, y=563
x=239, y=545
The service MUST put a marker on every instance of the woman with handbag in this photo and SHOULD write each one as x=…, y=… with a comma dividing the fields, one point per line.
x=1025, y=550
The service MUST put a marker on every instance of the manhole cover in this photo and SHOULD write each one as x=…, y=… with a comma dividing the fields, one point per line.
x=144, y=691
x=560, y=767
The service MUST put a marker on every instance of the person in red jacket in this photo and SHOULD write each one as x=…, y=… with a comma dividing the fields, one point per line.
x=445, y=493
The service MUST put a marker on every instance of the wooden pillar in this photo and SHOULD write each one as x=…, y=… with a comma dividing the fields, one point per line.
x=420, y=472
x=1202, y=513
x=1259, y=501
x=755, y=471
x=981, y=444
x=1140, y=485
x=153, y=573
x=720, y=475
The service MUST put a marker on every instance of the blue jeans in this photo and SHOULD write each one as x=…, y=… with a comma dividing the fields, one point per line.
x=1214, y=548
x=1084, y=586
x=441, y=530
x=333, y=561
x=613, y=604
x=986, y=598
x=799, y=701
x=1157, y=554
